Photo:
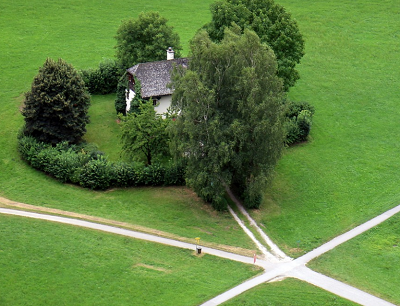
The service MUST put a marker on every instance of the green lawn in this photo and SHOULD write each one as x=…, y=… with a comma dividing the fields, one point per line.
x=82, y=33
x=348, y=172
x=344, y=176
x=43, y=263
x=103, y=129
x=370, y=262
x=289, y=292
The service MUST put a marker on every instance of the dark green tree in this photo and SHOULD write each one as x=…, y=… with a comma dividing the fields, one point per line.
x=272, y=23
x=120, y=99
x=145, y=39
x=144, y=133
x=56, y=107
x=230, y=123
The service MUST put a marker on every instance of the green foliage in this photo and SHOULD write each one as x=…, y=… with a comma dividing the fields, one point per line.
x=56, y=107
x=86, y=166
x=137, y=99
x=298, y=121
x=96, y=174
x=273, y=25
x=229, y=128
x=120, y=100
x=175, y=173
x=145, y=39
x=102, y=80
x=144, y=133
x=124, y=175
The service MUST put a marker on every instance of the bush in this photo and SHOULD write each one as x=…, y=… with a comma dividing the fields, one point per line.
x=219, y=203
x=124, y=175
x=156, y=175
x=298, y=116
x=86, y=165
x=102, y=80
x=96, y=174
x=120, y=99
x=252, y=199
x=175, y=174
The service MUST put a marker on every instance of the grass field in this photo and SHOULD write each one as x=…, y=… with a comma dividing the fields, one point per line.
x=349, y=171
x=346, y=174
x=51, y=264
x=289, y=292
x=370, y=262
x=25, y=43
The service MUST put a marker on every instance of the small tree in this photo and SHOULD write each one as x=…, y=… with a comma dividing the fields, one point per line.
x=144, y=133
x=56, y=107
x=273, y=25
x=145, y=39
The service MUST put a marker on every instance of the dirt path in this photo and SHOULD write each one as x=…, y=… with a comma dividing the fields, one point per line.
x=6, y=203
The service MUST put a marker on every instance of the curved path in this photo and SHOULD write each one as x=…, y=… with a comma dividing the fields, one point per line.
x=134, y=234
x=295, y=268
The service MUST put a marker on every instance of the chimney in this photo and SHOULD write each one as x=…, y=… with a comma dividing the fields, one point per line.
x=170, y=54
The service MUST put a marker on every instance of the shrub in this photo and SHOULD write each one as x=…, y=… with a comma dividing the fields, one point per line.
x=96, y=174
x=124, y=175
x=102, y=80
x=120, y=99
x=219, y=203
x=298, y=116
x=175, y=174
x=86, y=166
x=155, y=175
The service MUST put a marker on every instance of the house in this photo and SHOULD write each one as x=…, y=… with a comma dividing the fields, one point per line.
x=154, y=78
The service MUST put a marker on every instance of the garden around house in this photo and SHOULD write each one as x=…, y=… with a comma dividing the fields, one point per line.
x=343, y=176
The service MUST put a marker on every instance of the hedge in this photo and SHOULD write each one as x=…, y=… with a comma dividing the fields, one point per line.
x=86, y=166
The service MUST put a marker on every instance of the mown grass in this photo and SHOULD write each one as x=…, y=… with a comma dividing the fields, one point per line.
x=103, y=129
x=348, y=172
x=345, y=175
x=43, y=263
x=370, y=262
x=288, y=292
x=82, y=34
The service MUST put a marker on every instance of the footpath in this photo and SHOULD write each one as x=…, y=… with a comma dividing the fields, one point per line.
x=277, y=265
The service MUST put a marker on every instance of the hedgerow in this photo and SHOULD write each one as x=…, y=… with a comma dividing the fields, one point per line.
x=86, y=166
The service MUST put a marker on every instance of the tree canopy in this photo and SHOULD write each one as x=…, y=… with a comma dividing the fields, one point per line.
x=230, y=123
x=144, y=133
x=273, y=25
x=56, y=107
x=145, y=39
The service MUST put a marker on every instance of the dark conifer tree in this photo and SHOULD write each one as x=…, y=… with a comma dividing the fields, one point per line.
x=56, y=107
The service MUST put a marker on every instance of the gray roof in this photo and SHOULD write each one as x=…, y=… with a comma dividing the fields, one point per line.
x=155, y=76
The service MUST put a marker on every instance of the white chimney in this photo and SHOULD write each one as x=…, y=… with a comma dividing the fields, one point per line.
x=170, y=54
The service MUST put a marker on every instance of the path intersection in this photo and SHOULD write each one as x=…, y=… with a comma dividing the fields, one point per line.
x=277, y=265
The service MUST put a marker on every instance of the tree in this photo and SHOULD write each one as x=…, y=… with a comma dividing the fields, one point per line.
x=145, y=39
x=120, y=99
x=273, y=25
x=230, y=123
x=56, y=107
x=144, y=132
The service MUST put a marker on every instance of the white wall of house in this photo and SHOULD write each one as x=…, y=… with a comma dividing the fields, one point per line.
x=129, y=97
x=163, y=104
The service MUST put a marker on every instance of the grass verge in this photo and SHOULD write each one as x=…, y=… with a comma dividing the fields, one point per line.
x=370, y=261
x=287, y=293
x=43, y=263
